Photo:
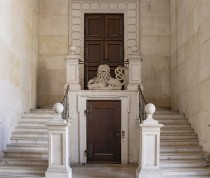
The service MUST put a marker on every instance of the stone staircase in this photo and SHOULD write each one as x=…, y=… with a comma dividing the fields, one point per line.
x=27, y=154
x=180, y=154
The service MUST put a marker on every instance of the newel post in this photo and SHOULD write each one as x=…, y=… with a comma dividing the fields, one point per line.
x=72, y=70
x=58, y=161
x=149, y=154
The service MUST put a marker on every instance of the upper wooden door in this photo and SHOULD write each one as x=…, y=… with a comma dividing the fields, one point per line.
x=103, y=131
x=104, y=42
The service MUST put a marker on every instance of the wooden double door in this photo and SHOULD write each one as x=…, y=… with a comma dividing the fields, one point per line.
x=103, y=131
x=104, y=43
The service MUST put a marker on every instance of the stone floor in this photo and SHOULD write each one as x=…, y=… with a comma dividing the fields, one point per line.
x=104, y=170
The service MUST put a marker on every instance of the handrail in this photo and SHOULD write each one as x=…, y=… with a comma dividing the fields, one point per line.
x=65, y=102
x=142, y=104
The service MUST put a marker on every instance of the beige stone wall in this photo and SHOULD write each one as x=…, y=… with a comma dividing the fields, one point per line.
x=18, y=61
x=155, y=48
x=190, y=62
x=53, y=48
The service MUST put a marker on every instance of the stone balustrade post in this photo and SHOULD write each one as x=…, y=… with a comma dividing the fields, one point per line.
x=134, y=78
x=149, y=153
x=58, y=152
x=72, y=70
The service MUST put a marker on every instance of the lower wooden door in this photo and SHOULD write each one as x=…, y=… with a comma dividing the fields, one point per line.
x=103, y=131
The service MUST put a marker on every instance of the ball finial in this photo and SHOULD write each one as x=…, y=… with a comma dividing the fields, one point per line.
x=58, y=108
x=150, y=108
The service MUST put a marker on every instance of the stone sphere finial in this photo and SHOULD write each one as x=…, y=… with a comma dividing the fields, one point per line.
x=150, y=108
x=73, y=49
x=58, y=108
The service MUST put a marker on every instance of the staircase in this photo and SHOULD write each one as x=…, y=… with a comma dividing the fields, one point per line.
x=180, y=154
x=27, y=154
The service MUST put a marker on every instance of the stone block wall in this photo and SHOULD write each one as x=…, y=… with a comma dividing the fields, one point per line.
x=155, y=49
x=18, y=62
x=53, y=48
x=190, y=61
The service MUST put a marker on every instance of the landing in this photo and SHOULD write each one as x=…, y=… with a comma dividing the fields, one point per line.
x=104, y=170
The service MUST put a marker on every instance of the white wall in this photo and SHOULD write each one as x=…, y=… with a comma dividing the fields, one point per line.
x=155, y=49
x=18, y=61
x=190, y=62
x=53, y=48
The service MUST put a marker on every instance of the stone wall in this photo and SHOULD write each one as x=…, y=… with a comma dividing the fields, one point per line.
x=18, y=62
x=155, y=49
x=53, y=43
x=190, y=61
x=53, y=48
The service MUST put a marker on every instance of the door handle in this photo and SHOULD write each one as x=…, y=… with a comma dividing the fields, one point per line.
x=117, y=133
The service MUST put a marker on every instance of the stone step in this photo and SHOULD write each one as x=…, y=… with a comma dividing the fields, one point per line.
x=18, y=169
x=27, y=147
x=174, y=131
x=29, y=128
x=178, y=142
x=183, y=163
x=31, y=124
x=27, y=154
x=39, y=115
x=29, y=140
x=176, y=116
x=171, y=176
x=15, y=175
x=23, y=161
x=173, y=122
x=183, y=156
x=41, y=111
x=176, y=126
x=39, y=120
x=30, y=134
x=186, y=171
x=180, y=149
x=177, y=137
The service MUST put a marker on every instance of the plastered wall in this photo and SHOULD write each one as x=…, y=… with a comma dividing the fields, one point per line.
x=190, y=62
x=18, y=62
x=155, y=50
x=154, y=47
x=53, y=48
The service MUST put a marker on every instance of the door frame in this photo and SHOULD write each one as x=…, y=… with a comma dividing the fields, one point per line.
x=92, y=95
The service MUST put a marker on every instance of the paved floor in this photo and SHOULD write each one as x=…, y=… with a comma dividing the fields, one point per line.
x=104, y=171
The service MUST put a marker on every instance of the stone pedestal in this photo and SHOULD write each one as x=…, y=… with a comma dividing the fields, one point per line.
x=72, y=70
x=149, y=154
x=134, y=72
x=58, y=147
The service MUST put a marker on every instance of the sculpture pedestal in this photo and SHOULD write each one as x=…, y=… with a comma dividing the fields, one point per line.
x=149, y=154
x=58, y=149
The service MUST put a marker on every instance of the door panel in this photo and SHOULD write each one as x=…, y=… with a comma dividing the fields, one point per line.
x=94, y=51
x=114, y=27
x=94, y=27
x=104, y=43
x=104, y=131
x=114, y=51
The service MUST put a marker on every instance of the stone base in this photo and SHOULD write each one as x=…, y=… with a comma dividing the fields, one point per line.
x=57, y=173
x=148, y=173
x=75, y=87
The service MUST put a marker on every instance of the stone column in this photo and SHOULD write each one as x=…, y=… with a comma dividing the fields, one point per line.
x=134, y=78
x=72, y=70
x=149, y=154
x=58, y=146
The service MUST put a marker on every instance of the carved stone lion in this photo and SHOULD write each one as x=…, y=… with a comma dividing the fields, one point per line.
x=104, y=80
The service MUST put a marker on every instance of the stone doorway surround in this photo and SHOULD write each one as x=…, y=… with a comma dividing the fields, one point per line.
x=75, y=76
x=129, y=119
x=130, y=9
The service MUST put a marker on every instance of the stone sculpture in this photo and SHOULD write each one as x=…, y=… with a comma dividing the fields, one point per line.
x=104, y=80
